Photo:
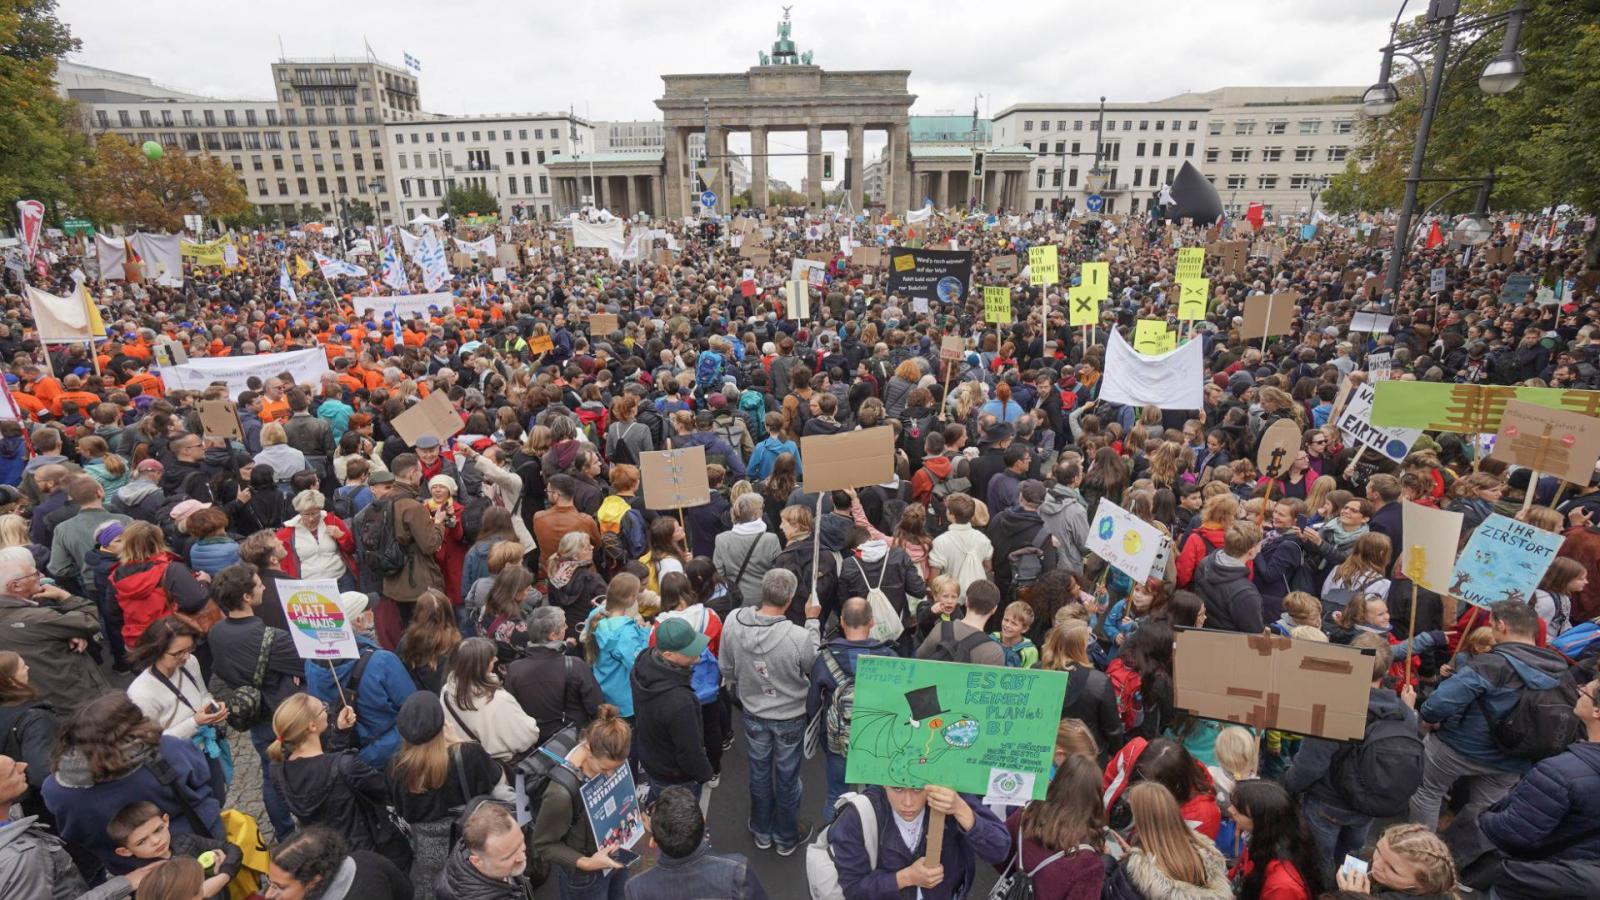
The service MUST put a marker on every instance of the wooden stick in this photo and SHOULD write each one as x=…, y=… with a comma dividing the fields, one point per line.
x=944, y=402
x=1411, y=636
x=1266, y=501
x=337, y=686
x=1533, y=488
x=935, y=846
x=1556, y=500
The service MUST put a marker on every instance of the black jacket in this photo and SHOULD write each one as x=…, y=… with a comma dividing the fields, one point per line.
x=1092, y=700
x=1012, y=530
x=667, y=722
x=988, y=464
x=1232, y=601
x=894, y=573
x=554, y=688
x=1313, y=764
x=28, y=734
x=461, y=880
x=335, y=789
x=797, y=558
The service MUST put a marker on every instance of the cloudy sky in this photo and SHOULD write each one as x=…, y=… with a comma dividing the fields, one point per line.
x=604, y=58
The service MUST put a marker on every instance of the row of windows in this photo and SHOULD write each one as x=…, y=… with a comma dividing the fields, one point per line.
x=476, y=159
x=1275, y=154
x=251, y=140
x=1111, y=124
x=302, y=185
x=1281, y=126
x=230, y=118
x=441, y=186
x=1269, y=182
x=461, y=136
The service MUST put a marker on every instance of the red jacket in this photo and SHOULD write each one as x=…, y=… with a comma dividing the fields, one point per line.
x=1200, y=810
x=922, y=482
x=1283, y=881
x=346, y=542
x=1200, y=542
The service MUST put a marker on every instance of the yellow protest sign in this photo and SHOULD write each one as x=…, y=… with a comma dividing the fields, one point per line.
x=1193, y=296
x=1151, y=337
x=207, y=254
x=997, y=305
x=1096, y=277
x=1083, y=308
x=905, y=262
x=1191, y=263
x=1043, y=267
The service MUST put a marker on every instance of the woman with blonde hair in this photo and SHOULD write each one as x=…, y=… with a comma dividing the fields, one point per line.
x=1317, y=498
x=1408, y=861
x=1364, y=571
x=1166, y=464
x=1090, y=697
x=286, y=461
x=104, y=466
x=1167, y=857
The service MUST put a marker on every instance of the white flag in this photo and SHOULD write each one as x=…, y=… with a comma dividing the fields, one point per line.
x=394, y=273
x=285, y=284
x=335, y=268
x=408, y=241
x=430, y=257
x=1172, y=380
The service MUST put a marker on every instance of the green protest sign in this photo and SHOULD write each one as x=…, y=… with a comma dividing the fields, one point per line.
x=981, y=730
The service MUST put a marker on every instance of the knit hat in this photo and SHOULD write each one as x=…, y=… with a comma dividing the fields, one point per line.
x=421, y=718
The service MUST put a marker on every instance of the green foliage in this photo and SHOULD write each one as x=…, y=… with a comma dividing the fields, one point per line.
x=121, y=186
x=358, y=212
x=465, y=201
x=310, y=212
x=41, y=143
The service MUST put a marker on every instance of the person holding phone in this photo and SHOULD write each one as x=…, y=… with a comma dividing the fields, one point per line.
x=562, y=835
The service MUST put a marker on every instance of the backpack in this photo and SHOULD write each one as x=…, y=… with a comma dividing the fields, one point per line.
x=1016, y=884
x=886, y=622
x=547, y=765
x=1127, y=685
x=623, y=453
x=1028, y=563
x=836, y=718
x=1576, y=641
x=472, y=517
x=343, y=502
x=727, y=428
x=822, y=874
x=246, y=706
x=705, y=679
x=1376, y=777
x=948, y=649
x=941, y=490
x=753, y=407
x=613, y=510
x=379, y=545
x=970, y=569
x=708, y=370
x=1542, y=722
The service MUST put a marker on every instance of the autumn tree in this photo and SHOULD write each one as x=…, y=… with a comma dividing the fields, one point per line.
x=121, y=185
x=41, y=141
x=465, y=201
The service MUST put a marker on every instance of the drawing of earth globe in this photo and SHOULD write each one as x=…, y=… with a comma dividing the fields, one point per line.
x=949, y=289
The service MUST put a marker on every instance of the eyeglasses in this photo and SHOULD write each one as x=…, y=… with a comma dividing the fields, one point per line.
x=1320, y=440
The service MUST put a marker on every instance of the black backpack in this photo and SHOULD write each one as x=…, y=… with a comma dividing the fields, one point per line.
x=375, y=536
x=1542, y=722
x=1377, y=776
x=548, y=764
x=1031, y=561
x=949, y=649
x=351, y=690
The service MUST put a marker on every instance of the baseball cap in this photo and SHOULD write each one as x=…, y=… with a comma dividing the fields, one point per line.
x=382, y=476
x=149, y=465
x=188, y=508
x=678, y=636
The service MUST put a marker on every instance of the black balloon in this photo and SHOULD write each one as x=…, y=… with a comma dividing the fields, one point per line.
x=1192, y=197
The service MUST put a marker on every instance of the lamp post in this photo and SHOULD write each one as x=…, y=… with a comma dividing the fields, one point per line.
x=376, y=186
x=1318, y=185
x=1502, y=74
x=203, y=205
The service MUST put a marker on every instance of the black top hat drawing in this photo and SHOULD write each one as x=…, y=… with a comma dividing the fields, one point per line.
x=924, y=703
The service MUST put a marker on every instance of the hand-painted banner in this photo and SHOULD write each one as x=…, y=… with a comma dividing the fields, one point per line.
x=403, y=305
x=305, y=366
x=1504, y=560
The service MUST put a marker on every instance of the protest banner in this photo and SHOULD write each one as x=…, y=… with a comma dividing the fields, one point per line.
x=1306, y=687
x=1371, y=323
x=602, y=324
x=317, y=622
x=613, y=808
x=1356, y=423
x=1044, y=266
x=1431, y=537
x=1503, y=560
x=1082, y=309
x=674, y=479
x=849, y=459
x=1193, y=296
x=1280, y=444
x=997, y=305
x=1191, y=264
x=404, y=306
x=1124, y=541
x=433, y=416
x=975, y=729
x=1551, y=441
x=1096, y=278
x=941, y=275
x=1467, y=408
x=1269, y=314
x=304, y=366
x=1152, y=337
x=1172, y=380
x=220, y=418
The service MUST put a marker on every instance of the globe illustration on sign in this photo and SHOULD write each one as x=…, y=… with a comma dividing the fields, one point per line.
x=1131, y=543
x=949, y=289
x=1107, y=527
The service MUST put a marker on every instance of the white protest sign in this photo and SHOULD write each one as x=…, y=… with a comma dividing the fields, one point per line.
x=304, y=366
x=320, y=628
x=1371, y=323
x=1126, y=542
x=1436, y=280
x=1356, y=423
x=403, y=305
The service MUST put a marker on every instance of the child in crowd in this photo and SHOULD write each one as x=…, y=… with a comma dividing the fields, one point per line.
x=944, y=601
x=1021, y=653
x=140, y=831
x=1238, y=753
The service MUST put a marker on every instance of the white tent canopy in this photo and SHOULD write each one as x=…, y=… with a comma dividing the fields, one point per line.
x=421, y=219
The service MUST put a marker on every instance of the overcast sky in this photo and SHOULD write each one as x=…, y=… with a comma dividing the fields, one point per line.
x=605, y=58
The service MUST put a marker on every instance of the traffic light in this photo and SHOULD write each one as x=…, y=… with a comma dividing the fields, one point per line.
x=827, y=167
x=977, y=164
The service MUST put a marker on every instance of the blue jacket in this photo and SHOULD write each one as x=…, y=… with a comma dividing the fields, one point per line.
x=860, y=880
x=766, y=453
x=337, y=414
x=715, y=446
x=212, y=555
x=1546, y=827
x=1455, y=702
x=385, y=685
x=846, y=653
x=618, y=640
x=700, y=874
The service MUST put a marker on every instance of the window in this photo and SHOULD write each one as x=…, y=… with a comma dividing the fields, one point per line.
x=1072, y=177
x=525, y=157
x=511, y=157
x=522, y=134
x=1188, y=148
x=102, y=118
x=1277, y=127
x=1338, y=154
x=405, y=187
x=1039, y=179
x=1028, y=126
x=1138, y=177
x=1077, y=125
x=229, y=117
x=277, y=163
x=1074, y=148
x=544, y=184
x=1236, y=182
x=1343, y=126
x=313, y=139
x=359, y=160
x=461, y=137
x=283, y=187
x=1161, y=125
x=1272, y=154
x=255, y=164
x=1300, y=182
x=1239, y=155
x=349, y=115
x=444, y=137
x=212, y=143
x=1310, y=126
x=1194, y=124
x=538, y=134
x=1267, y=183
x=539, y=155
x=261, y=185
x=1214, y=128
x=403, y=161
x=361, y=184
x=366, y=95
x=416, y=159
x=1212, y=154
x=1244, y=127
x=166, y=117
x=372, y=138
x=511, y=185
x=145, y=120
x=343, y=185
x=1138, y=149
x=231, y=141
x=333, y=138
x=338, y=162
x=1043, y=148
x=369, y=116
x=1111, y=125
x=1127, y=124
x=124, y=119
x=252, y=140
x=274, y=140
x=299, y=162
x=1172, y=149
x=1055, y=178
x=1305, y=154
x=322, y=185
x=294, y=140
x=1170, y=173
x=355, y=138
x=311, y=116
x=191, y=141
x=1094, y=125
x=1061, y=147
x=300, y=185
x=1155, y=149
x=1155, y=177
x=316, y=161
x=289, y=117
x=1045, y=125
x=1144, y=124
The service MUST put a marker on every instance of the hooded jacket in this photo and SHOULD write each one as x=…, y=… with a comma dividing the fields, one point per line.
x=766, y=662
x=1139, y=877
x=461, y=880
x=618, y=641
x=861, y=880
x=1232, y=601
x=385, y=685
x=333, y=789
x=1012, y=530
x=941, y=468
x=878, y=565
x=1313, y=763
x=667, y=722
x=1546, y=827
x=1066, y=517
x=1494, y=677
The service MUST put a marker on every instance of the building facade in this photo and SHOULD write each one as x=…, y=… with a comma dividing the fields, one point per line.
x=503, y=155
x=1278, y=146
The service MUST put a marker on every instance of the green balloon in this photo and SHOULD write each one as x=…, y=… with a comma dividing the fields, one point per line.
x=153, y=150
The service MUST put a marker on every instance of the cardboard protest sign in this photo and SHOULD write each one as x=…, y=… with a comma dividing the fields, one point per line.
x=613, y=808
x=797, y=300
x=1004, y=265
x=1152, y=337
x=1305, y=687
x=220, y=418
x=1191, y=264
x=1096, y=277
x=1127, y=543
x=870, y=257
x=1280, y=444
x=951, y=347
x=1552, y=441
x=1467, y=408
x=1082, y=309
x=1431, y=537
x=1356, y=423
x=541, y=343
x=602, y=324
x=320, y=628
x=674, y=479
x=997, y=305
x=941, y=275
x=1503, y=560
x=1192, y=299
x=433, y=415
x=1043, y=265
x=976, y=729
x=849, y=459
x=1269, y=314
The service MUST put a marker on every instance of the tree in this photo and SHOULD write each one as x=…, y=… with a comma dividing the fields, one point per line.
x=464, y=201
x=122, y=186
x=358, y=212
x=42, y=142
x=310, y=212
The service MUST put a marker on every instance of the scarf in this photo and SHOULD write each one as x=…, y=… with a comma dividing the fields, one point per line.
x=564, y=571
x=758, y=527
x=339, y=885
x=872, y=551
x=73, y=769
x=1340, y=538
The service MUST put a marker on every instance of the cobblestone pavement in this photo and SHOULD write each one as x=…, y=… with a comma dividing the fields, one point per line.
x=244, y=794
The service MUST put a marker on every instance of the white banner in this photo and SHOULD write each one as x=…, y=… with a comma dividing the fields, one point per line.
x=603, y=236
x=111, y=254
x=338, y=268
x=1356, y=423
x=59, y=319
x=430, y=258
x=162, y=258
x=304, y=366
x=1123, y=540
x=403, y=305
x=408, y=241
x=485, y=247
x=1172, y=380
x=321, y=629
x=918, y=215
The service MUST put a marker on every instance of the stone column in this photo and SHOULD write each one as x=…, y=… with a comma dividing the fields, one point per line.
x=941, y=191
x=633, y=195
x=658, y=195
x=900, y=157
x=758, y=166
x=814, y=166
x=857, y=164
x=673, y=157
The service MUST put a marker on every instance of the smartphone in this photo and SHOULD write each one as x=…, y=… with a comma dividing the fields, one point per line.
x=625, y=856
x=1352, y=864
x=1301, y=521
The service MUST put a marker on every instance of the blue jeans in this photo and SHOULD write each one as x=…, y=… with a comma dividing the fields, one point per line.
x=774, y=748
x=836, y=785
x=261, y=737
x=1337, y=832
x=607, y=885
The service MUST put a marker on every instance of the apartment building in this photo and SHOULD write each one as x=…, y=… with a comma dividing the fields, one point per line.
x=503, y=155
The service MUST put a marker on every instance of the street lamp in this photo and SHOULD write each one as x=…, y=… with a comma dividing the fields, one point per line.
x=1318, y=185
x=203, y=205
x=1502, y=74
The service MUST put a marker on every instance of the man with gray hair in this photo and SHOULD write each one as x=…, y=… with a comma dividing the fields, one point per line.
x=744, y=553
x=766, y=662
x=557, y=689
x=51, y=630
